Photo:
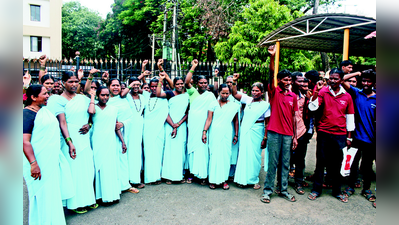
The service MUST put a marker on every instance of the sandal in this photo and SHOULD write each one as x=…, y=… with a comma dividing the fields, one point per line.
x=226, y=186
x=183, y=181
x=140, y=186
x=133, y=190
x=79, y=210
x=212, y=186
x=277, y=191
x=342, y=198
x=348, y=191
x=265, y=198
x=94, y=206
x=288, y=197
x=299, y=190
x=357, y=184
x=313, y=195
x=369, y=195
x=374, y=204
x=168, y=182
x=189, y=180
x=257, y=186
x=203, y=182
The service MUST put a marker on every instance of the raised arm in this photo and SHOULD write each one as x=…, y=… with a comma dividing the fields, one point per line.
x=207, y=125
x=350, y=75
x=161, y=94
x=42, y=62
x=215, y=80
x=141, y=76
x=272, y=51
x=194, y=65
x=234, y=92
x=92, y=108
x=90, y=80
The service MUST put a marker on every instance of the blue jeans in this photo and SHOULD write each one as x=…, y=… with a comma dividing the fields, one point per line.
x=329, y=154
x=279, y=147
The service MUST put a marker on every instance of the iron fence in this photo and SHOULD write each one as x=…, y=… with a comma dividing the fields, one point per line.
x=126, y=68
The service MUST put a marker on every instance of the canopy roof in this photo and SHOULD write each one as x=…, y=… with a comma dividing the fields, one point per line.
x=325, y=33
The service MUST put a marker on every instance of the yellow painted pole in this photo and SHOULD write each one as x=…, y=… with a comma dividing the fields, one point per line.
x=276, y=62
x=346, y=45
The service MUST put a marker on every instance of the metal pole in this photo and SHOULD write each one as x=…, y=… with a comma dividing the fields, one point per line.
x=345, y=54
x=174, y=41
x=153, y=52
x=164, y=49
x=276, y=62
x=117, y=64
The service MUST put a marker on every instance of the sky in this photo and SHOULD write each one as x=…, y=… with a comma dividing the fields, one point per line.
x=356, y=7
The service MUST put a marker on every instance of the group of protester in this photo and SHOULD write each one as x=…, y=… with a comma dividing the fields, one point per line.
x=87, y=142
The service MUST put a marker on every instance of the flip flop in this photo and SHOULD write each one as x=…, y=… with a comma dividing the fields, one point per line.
x=299, y=190
x=140, y=186
x=288, y=197
x=212, y=186
x=342, y=198
x=369, y=195
x=226, y=186
x=189, y=180
x=313, y=195
x=94, y=206
x=265, y=198
x=133, y=190
x=80, y=211
x=257, y=186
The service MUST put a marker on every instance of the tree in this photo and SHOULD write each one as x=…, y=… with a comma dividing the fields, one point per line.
x=79, y=31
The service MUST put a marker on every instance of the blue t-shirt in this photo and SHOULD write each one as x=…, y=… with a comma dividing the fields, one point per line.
x=365, y=115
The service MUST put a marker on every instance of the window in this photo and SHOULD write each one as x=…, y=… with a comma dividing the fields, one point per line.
x=35, y=44
x=35, y=12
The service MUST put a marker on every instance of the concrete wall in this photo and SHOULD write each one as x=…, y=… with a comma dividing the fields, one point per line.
x=49, y=28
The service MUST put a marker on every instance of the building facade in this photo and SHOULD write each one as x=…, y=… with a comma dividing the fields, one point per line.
x=42, y=32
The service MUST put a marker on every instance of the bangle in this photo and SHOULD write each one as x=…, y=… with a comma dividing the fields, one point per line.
x=33, y=161
x=68, y=139
x=235, y=135
x=42, y=68
x=161, y=71
x=129, y=87
x=204, y=130
x=90, y=124
x=191, y=71
x=234, y=83
x=90, y=78
x=215, y=79
x=349, y=139
x=264, y=137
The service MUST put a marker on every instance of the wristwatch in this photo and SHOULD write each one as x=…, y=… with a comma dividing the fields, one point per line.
x=349, y=139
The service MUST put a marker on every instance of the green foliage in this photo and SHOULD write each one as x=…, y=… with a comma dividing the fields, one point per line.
x=367, y=61
x=79, y=31
x=258, y=20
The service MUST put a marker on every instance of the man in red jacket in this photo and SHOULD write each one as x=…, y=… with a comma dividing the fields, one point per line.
x=334, y=132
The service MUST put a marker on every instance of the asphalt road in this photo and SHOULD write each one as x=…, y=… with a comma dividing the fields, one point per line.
x=196, y=204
